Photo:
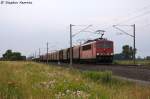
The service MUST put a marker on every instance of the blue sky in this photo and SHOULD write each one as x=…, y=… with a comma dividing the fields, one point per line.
x=27, y=28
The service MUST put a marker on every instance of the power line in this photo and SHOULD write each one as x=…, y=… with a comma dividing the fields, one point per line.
x=141, y=9
x=115, y=26
x=134, y=17
x=81, y=30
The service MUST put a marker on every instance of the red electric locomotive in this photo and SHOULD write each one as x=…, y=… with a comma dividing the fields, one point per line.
x=98, y=50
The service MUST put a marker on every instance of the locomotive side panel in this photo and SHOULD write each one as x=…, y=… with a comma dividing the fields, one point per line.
x=94, y=50
x=86, y=52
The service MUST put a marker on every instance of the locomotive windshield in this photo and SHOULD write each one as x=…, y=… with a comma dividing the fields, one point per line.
x=104, y=45
x=86, y=47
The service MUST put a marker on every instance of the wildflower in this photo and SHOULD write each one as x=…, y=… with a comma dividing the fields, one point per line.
x=67, y=91
x=78, y=93
x=63, y=94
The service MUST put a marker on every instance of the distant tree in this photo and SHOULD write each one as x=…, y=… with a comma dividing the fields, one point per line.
x=9, y=55
x=139, y=58
x=119, y=56
x=1, y=58
x=148, y=57
x=128, y=51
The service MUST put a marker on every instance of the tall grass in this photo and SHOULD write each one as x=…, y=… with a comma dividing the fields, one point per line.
x=105, y=77
x=28, y=80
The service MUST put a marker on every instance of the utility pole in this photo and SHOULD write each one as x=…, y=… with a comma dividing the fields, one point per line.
x=35, y=54
x=39, y=54
x=134, y=43
x=47, y=53
x=71, y=44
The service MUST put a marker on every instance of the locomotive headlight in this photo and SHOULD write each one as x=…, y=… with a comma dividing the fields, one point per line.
x=112, y=53
x=97, y=54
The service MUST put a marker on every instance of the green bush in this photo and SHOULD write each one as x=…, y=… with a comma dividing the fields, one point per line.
x=105, y=77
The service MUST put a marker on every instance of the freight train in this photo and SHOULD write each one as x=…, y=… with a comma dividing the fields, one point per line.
x=98, y=51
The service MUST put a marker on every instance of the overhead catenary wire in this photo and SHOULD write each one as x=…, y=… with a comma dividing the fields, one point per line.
x=135, y=17
x=140, y=14
x=81, y=30
x=132, y=18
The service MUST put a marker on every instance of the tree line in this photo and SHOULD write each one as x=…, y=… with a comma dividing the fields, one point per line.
x=126, y=54
x=9, y=55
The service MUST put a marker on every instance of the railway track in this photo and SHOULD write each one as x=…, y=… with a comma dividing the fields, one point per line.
x=134, y=72
x=108, y=65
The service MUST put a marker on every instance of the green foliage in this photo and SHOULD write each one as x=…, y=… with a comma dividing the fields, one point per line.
x=11, y=90
x=119, y=56
x=148, y=58
x=128, y=51
x=7, y=54
x=105, y=77
x=13, y=56
x=126, y=54
x=70, y=85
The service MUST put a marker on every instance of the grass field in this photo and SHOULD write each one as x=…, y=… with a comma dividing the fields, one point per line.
x=29, y=80
x=138, y=62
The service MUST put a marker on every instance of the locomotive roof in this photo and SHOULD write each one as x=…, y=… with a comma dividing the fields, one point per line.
x=95, y=40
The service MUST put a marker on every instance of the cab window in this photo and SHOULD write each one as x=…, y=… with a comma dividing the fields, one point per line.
x=104, y=45
x=86, y=47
